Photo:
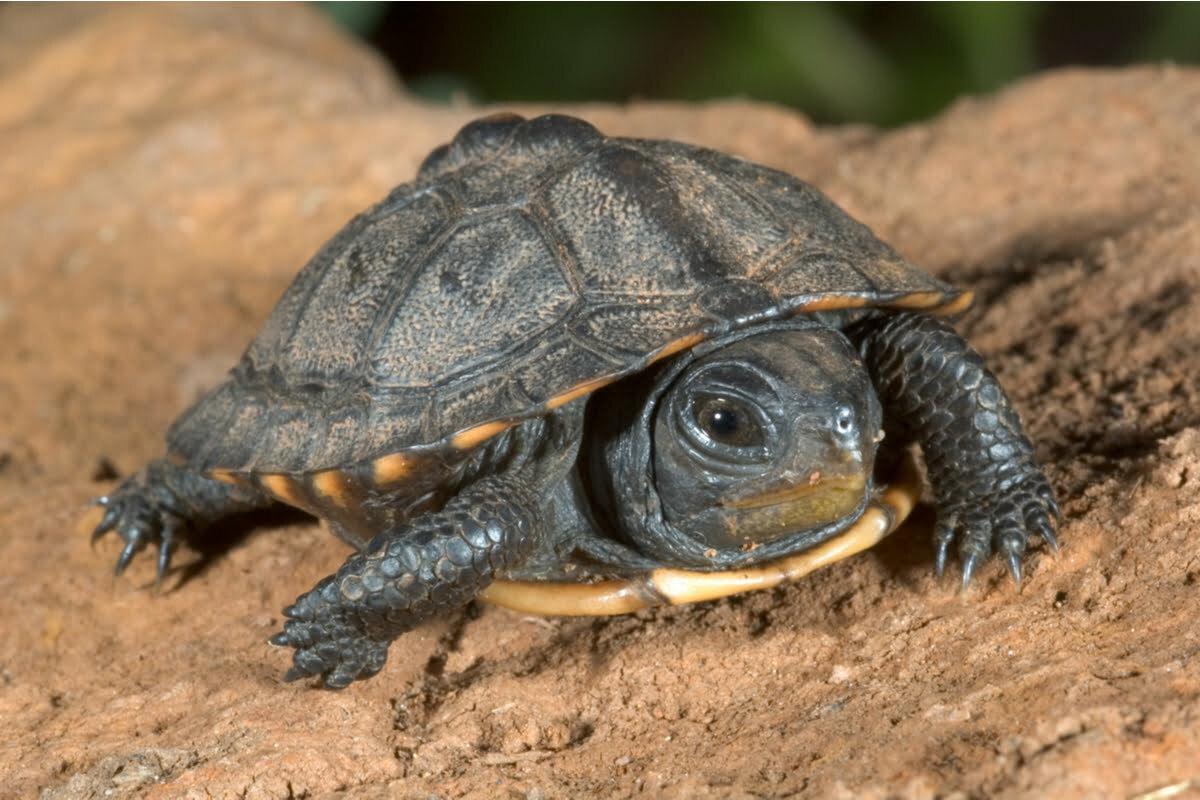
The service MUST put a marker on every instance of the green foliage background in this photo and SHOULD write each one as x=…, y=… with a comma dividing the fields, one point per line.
x=879, y=63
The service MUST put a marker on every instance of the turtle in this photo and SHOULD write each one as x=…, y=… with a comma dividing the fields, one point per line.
x=580, y=374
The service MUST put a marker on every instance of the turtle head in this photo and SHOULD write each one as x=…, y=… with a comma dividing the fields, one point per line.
x=766, y=438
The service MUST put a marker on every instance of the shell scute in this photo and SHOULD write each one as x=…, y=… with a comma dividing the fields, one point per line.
x=618, y=216
x=476, y=140
x=558, y=363
x=492, y=284
x=633, y=327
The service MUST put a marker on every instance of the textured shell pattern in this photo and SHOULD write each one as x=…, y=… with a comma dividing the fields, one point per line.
x=529, y=263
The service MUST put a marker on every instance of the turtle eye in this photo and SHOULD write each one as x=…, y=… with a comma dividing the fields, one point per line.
x=727, y=421
x=844, y=420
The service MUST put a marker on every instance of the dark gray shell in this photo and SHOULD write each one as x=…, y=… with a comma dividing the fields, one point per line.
x=529, y=263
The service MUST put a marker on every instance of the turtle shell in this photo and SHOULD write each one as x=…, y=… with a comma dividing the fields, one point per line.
x=529, y=263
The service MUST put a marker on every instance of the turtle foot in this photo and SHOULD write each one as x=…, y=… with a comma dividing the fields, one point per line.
x=999, y=524
x=328, y=642
x=159, y=503
x=431, y=565
x=135, y=511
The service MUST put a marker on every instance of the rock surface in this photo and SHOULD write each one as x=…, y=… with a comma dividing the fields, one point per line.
x=165, y=170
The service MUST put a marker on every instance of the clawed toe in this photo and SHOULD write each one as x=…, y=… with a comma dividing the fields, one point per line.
x=1013, y=517
x=139, y=522
x=108, y=522
x=969, y=563
x=1041, y=520
x=943, y=536
x=1013, y=560
x=333, y=649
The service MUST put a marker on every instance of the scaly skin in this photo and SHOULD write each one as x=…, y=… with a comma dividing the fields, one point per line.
x=436, y=563
x=990, y=492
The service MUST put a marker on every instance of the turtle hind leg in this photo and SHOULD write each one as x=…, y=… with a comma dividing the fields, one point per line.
x=991, y=494
x=161, y=501
x=435, y=563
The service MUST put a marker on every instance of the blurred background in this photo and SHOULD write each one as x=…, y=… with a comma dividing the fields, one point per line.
x=883, y=63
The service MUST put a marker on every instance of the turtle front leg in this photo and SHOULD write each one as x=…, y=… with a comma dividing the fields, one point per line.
x=989, y=489
x=438, y=562
x=159, y=502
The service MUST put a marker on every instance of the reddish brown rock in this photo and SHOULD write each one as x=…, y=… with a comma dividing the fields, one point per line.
x=165, y=170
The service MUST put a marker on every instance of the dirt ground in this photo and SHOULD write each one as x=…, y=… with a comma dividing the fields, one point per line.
x=165, y=170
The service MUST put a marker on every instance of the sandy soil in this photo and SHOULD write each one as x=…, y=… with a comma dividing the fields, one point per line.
x=164, y=171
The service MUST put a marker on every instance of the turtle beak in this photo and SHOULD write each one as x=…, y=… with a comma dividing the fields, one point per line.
x=823, y=485
x=796, y=501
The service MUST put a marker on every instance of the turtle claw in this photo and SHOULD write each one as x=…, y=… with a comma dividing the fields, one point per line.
x=166, y=547
x=134, y=513
x=1047, y=534
x=1012, y=516
x=108, y=521
x=132, y=545
x=328, y=646
x=1014, y=566
x=943, y=535
x=1038, y=518
x=969, y=564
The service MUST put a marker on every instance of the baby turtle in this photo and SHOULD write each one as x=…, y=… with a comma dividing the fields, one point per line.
x=557, y=355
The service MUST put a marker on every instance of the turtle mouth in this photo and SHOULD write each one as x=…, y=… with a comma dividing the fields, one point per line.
x=791, y=493
x=780, y=510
